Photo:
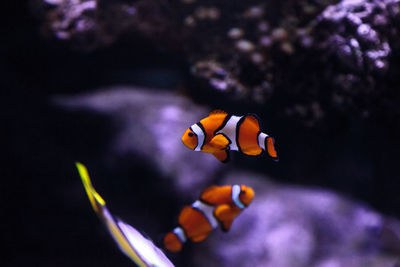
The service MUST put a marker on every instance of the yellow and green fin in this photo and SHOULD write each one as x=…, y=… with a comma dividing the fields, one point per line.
x=95, y=199
x=139, y=249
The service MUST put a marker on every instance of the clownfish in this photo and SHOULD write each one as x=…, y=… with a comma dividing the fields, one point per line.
x=218, y=205
x=219, y=133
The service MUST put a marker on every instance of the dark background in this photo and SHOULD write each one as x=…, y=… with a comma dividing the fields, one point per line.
x=47, y=220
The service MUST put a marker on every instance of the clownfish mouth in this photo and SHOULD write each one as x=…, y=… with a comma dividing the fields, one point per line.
x=192, y=137
x=187, y=143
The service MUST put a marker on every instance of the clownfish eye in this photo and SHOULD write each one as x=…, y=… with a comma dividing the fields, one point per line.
x=242, y=192
x=190, y=134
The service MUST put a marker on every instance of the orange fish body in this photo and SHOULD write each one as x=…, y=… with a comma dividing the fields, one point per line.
x=218, y=205
x=219, y=132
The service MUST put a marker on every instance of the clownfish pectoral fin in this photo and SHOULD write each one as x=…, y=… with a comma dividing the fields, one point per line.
x=217, y=111
x=270, y=146
x=226, y=225
x=223, y=212
x=199, y=238
x=225, y=216
x=220, y=141
x=222, y=155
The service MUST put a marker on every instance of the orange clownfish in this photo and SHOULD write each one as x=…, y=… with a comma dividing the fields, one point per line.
x=220, y=132
x=218, y=205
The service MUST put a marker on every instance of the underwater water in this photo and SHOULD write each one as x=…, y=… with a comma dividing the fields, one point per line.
x=115, y=84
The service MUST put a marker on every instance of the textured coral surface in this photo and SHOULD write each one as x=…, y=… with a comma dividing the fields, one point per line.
x=314, y=58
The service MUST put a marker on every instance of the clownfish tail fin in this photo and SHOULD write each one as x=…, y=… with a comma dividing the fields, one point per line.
x=270, y=148
x=173, y=241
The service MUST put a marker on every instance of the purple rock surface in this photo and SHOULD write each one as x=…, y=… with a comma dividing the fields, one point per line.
x=284, y=226
x=145, y=120
x=296, y=226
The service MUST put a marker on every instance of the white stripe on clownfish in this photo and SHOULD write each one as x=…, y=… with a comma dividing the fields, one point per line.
x=178, y=231
x=200, y=136
x=208, y=212
x=235, y=196
x=261, y=140
x=229, y=130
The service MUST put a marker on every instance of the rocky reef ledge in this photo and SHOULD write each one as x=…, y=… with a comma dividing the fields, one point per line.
x=315, y=60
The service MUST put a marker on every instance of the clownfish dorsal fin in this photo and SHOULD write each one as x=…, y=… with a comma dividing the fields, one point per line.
x=217, y=112
x=254, y=118
x=211, y=195
x=209, y=190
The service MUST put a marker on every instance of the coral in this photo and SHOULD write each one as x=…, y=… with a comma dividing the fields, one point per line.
x=73, y=20
x=313, y=59
x=89, y=24
x=359, y=38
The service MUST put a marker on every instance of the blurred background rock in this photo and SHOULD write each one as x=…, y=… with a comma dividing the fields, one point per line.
x=78, y=81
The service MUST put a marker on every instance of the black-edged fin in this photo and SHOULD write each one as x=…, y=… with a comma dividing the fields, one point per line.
x=223, y=213
x=217, y=111
x=270, y=148
x=222, y=155
x=226, y=225
x=220, y=141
